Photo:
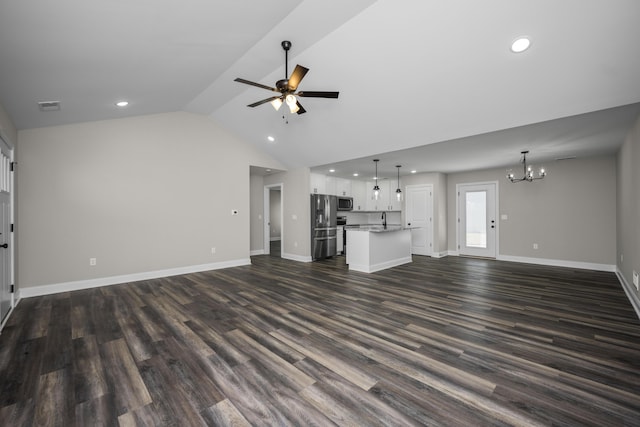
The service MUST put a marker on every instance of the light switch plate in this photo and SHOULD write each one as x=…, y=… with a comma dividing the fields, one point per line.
x=636, y=281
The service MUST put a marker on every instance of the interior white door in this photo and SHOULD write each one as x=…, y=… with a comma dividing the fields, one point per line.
x=477, y=219
x=5, y=231
x=419, y=216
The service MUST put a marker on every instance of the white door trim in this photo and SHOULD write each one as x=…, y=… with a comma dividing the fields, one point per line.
x=266, y=214
x=8, y=180
x=497, y=214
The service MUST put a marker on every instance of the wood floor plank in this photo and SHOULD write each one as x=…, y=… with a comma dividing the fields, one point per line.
x=439, y=342
x=123, y=376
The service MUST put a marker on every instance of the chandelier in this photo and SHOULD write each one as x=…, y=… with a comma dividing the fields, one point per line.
x=528, y=171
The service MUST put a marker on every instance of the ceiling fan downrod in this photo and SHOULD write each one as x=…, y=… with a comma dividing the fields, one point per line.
x=286, y=45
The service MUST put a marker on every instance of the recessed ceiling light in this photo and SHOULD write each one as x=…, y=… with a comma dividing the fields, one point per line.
x=520, y=44
x=414, y=171
x=122, y=103
x=332, y=170
x=270, y=138
x=355, y=174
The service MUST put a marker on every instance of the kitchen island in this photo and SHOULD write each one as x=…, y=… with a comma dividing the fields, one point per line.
x=375, y=247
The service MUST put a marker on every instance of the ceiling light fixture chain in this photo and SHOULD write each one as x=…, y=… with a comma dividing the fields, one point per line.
x=528, y=174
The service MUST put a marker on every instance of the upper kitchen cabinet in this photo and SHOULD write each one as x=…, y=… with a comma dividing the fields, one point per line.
x=359, y=194
x=343, y=187
x=386, y=200
x=318, y=183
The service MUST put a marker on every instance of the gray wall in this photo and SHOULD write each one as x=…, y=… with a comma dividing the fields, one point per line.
x=140, y=194
x=257, y=208
x=296, y=222
x=571, y=214
x=628, y=230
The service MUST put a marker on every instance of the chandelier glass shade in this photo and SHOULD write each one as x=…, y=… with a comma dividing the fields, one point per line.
x=528, y=174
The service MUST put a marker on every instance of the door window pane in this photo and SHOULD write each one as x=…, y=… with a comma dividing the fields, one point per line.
x=476, y=217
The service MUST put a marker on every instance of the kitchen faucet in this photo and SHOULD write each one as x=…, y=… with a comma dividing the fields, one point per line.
x=384, y=219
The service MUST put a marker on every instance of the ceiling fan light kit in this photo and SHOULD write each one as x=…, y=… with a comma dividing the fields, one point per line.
x=287, y=87
x=528, y=174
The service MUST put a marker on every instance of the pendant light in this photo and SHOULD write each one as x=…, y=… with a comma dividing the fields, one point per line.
x=398, y=190
x=528, y=174
x=376, y=189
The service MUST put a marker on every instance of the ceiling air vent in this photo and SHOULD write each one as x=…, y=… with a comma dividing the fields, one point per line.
x=49, y=105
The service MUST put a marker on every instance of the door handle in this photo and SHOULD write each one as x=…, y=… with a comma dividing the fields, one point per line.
x=6, y=245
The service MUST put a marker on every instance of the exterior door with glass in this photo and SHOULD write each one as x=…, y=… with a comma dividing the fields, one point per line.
x=477, y=223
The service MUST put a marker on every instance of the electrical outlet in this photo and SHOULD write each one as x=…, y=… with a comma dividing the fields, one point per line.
x=535, y=246
x=213, y=250
x=636, y=281
x=92, y=261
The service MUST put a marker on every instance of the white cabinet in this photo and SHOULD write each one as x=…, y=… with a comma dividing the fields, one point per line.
x=359, y=194
x=343, y=187
x=393, y=197
x=382, y=204
x=330, y=185
x=340, y=240
x=318, y=183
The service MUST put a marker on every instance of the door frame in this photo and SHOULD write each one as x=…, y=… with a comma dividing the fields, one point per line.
x=427, y=187
x=497, y=214
x=266, y=215
x=13, y=300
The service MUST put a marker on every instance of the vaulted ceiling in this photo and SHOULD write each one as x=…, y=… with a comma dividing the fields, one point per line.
x=428, y=84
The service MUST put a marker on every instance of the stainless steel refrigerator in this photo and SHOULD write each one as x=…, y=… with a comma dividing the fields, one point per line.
x=323, y=225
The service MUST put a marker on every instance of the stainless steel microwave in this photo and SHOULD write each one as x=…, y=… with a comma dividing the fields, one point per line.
x=345, y=203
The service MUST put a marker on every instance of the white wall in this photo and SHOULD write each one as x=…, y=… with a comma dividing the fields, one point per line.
x=571, y=214
x=628, y=230
x=141, y=194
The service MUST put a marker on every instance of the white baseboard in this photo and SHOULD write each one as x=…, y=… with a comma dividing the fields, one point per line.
x=559, y=263
x=55, y=288
x=440, y=254
x=256, y=252
x=293, y=257
x=631, y=292
x=381, y=266
x=6, y=318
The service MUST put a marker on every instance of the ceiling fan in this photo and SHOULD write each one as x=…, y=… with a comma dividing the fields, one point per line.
x=287, y=87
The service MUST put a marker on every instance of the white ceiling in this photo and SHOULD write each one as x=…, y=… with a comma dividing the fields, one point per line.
x=411, y=74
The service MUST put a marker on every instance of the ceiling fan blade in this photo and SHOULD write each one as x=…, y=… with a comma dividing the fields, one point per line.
x=316, y=94
x=301, y=108
x=247, y=82
x=297, y=75
x=264, y=101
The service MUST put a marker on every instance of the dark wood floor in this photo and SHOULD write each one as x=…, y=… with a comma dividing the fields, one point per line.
x=452, y=341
